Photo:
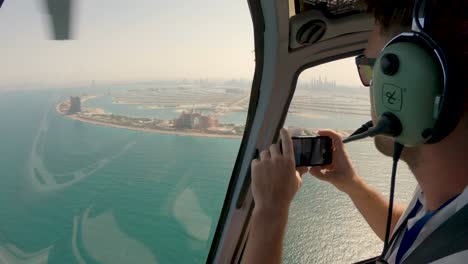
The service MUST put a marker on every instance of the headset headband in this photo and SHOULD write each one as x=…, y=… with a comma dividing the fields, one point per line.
x=419, y=16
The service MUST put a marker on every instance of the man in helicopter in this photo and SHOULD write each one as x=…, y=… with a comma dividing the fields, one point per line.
x=439, y=164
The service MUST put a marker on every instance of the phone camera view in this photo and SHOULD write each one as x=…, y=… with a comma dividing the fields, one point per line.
x=312, y=151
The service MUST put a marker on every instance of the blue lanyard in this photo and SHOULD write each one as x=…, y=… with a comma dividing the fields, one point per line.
x=411, y=234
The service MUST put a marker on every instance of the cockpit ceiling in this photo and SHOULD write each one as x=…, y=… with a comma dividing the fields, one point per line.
x=322, y=25
x=331, y=8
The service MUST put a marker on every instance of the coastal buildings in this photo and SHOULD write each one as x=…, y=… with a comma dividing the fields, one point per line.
x=192, y=120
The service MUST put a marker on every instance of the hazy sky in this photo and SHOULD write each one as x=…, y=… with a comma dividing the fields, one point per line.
x=134, y=40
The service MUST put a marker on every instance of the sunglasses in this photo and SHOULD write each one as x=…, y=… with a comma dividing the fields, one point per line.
x=365, y=66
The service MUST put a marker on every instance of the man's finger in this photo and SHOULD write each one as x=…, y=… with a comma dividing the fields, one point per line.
x=302, y=170
x=336, y=138
x=254, y=163
x=265, y=155
x=299, y=179
x=328, y=167
x=286, y=143
x=317, y=172
x=275, y=151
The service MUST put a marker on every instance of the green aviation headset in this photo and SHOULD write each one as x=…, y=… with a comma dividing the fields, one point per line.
x=411, y=82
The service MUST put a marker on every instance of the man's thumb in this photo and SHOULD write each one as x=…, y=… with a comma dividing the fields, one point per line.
x=317, y=172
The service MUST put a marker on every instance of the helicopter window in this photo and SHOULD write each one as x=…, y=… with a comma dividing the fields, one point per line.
x=324, y=226
x=117, y=146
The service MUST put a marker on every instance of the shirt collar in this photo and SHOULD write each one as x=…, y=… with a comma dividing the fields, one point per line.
x=462, y=200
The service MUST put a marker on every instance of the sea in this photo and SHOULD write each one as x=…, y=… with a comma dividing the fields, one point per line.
x=73, y=192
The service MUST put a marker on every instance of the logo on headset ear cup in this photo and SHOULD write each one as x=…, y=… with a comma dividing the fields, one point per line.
x=407, y=82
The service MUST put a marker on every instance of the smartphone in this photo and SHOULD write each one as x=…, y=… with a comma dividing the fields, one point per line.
x=312, y=151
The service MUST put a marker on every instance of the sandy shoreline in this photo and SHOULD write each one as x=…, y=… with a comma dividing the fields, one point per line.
x=344, y=133
x=154, y=131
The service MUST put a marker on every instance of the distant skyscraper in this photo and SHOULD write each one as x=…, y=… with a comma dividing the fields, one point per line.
x=75, y=105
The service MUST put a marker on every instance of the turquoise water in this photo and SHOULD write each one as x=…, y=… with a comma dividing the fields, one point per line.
x=142, y=197
x=72, y=192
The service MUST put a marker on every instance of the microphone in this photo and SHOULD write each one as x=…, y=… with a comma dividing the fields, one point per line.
x=363, y=128
x=388, y=124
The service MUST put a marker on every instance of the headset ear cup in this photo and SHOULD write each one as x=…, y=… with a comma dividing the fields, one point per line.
x=408, y=82
x=451, y=104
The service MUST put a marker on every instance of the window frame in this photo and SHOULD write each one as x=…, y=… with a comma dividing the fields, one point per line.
x=277, y=65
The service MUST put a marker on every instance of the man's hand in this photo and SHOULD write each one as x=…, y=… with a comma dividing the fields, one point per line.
x=341, y=172
x=275, y=180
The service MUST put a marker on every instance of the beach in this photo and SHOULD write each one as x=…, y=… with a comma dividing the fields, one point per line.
x=60, y=109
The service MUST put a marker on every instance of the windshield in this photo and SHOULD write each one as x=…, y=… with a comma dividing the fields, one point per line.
x=117, y=146
x=324, y=226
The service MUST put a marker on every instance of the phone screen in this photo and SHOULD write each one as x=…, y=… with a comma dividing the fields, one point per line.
x=312, y=151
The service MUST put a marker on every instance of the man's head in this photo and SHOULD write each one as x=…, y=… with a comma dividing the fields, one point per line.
x=394, y=17
x=391, y=18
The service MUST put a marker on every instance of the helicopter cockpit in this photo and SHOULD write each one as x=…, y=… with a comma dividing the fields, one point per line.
x=129, y=127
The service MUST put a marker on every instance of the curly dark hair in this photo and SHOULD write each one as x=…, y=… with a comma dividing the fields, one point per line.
x=389, y=12
x=447, y=24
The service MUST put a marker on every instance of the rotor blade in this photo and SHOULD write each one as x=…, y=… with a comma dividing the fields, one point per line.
x=60, y=12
